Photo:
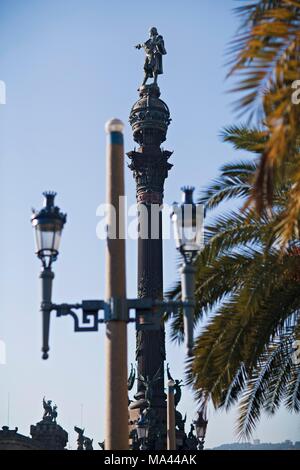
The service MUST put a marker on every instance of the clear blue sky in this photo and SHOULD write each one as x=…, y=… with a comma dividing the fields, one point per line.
x=69, y=65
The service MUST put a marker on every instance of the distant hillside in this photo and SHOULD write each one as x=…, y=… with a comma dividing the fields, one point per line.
x=257, y=445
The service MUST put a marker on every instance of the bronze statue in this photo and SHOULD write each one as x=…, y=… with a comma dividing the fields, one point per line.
x=80, y=437
x=191, y=434
x=177, y=387
x=54, y=413
x=83, y=442
x=148, y=384
x=50, y=412
x=88, y=443
x=130, y=381
x=131, y=378
x=154, y=49
x=191, y=441
x=47, y=409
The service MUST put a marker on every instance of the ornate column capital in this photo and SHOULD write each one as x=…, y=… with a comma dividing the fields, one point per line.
x=150, y=171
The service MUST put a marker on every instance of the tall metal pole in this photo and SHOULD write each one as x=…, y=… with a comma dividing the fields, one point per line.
x=116, y=421
x=46, y=276
x=171, y=432
x=188, y=272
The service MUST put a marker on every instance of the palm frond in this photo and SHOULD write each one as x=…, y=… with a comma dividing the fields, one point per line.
x=235, y=181
x=258, y=388
x=244, y=138
x=265, y=57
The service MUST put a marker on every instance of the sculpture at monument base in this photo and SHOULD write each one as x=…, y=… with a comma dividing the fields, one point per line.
x=50, y=412
x=83, y=442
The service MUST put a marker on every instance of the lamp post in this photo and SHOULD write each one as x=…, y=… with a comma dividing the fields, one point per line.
x=200, y=426
x=187, y=221
x=48, y=224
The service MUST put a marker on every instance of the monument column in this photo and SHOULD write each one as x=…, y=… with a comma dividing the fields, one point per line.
x=149, y=119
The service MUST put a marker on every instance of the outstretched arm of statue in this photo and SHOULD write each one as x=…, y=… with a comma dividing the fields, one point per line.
x=139, y=46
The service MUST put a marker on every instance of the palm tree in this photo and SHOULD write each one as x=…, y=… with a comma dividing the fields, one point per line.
x=243, y=354
x=265, y=57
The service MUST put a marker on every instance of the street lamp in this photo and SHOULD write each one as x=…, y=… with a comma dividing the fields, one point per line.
x=48, y=224
x=187, y=221
x=115, y=309
x=200, y=426
x=142, y=429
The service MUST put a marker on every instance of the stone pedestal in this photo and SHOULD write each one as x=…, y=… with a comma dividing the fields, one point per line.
x=49, y=435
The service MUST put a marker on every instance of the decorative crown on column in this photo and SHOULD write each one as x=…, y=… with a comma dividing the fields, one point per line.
x=149, y=117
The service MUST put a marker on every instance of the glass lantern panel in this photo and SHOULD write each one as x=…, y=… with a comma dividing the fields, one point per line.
x=57, y=239
x=200, y=431
x=189, y=236
x=192, y=228
x=48, y=241
x=37, y=239
x=177, y=229
x=47, y=238
x=188, y=227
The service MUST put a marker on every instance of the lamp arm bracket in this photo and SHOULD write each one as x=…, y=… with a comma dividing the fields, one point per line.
x=113, y=309
x=90, y=316
x=148, y=312
x=172, y=306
